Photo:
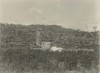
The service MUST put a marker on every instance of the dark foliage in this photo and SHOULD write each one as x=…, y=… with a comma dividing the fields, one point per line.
x=46, y=60
x=13, y=35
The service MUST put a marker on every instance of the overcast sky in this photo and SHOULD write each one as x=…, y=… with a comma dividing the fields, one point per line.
x=67, y=13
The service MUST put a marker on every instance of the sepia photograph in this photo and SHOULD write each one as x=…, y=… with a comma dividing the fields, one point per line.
x=49, y=36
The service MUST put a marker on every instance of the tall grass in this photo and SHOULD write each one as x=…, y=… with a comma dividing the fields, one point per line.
x=36, y=61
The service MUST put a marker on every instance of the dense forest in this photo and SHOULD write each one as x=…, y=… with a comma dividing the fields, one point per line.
x=17, y=54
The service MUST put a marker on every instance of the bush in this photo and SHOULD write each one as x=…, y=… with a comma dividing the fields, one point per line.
x=20, y=59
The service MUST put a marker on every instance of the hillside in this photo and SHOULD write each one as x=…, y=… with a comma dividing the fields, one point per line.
x=16, y=34
x=16, y=55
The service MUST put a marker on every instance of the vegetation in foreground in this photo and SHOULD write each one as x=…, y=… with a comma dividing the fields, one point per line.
x=36, y=60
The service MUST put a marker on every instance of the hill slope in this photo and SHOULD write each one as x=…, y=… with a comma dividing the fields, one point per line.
x=13, y=35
